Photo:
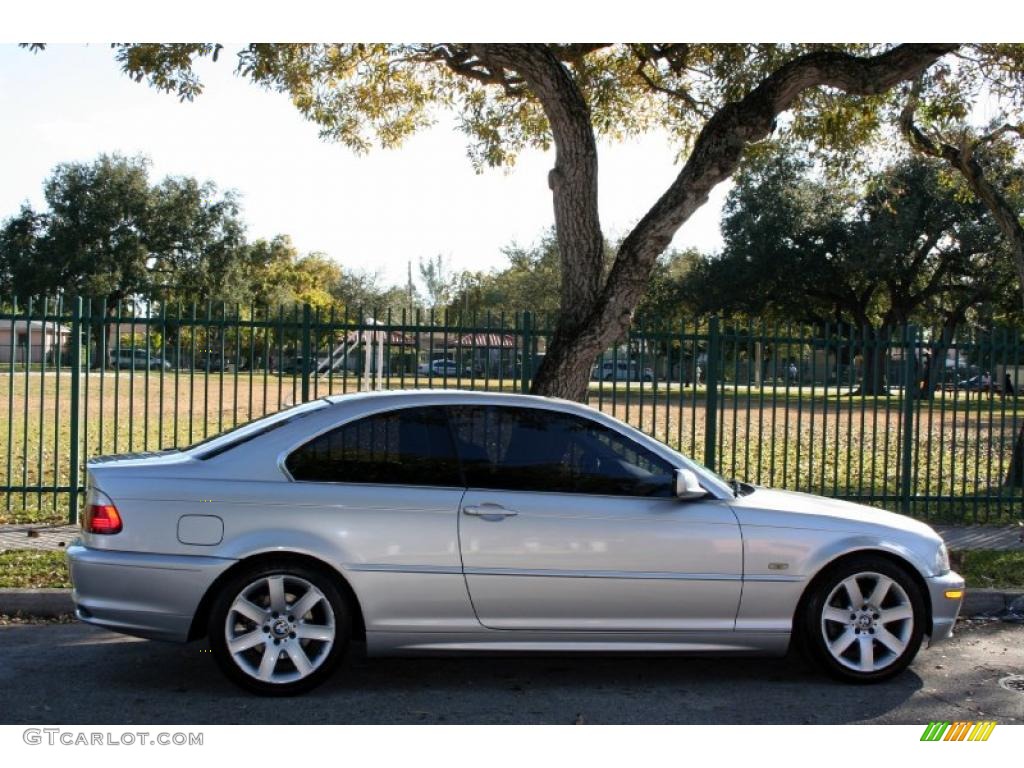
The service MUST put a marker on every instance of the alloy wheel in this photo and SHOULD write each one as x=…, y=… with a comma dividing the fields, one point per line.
x=867, y=622
x=280, y=628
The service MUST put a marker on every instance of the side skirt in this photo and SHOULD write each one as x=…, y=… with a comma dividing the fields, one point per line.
x=520, y=641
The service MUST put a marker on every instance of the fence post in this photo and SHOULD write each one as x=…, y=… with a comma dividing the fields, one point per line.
x=526, y=369
x=76, y=375
x=907, y=422
x=307, y=313
x=711, y=395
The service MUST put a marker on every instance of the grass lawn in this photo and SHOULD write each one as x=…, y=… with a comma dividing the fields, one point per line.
x=33, y=569
x=987, y=568
x=28, y=568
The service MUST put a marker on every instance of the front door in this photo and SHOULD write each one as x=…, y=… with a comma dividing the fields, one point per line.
x=570, y=525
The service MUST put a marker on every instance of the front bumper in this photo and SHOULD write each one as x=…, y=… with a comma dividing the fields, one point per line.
x=944, y=609
x=137, y=593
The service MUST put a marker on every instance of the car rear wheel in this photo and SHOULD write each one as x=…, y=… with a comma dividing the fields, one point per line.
x=865, y=620
x=279, y=629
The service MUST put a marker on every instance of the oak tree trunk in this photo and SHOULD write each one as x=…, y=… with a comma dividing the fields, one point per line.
x=874, y=378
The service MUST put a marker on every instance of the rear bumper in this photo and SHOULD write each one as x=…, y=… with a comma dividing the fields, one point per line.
x=944, y=609
x=148, y=595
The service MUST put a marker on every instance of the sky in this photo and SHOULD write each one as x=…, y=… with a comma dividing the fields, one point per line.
x=373, y=212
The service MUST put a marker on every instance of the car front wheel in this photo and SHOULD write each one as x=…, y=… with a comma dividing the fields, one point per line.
x=865, y=620
x=279, y=629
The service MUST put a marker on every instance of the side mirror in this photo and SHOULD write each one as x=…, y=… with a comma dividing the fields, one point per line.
x=688, y=486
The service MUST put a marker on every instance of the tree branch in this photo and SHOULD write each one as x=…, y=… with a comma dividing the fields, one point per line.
x=719, y=148
x=962, y=158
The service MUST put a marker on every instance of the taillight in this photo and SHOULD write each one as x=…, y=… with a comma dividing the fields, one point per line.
x=101, y=516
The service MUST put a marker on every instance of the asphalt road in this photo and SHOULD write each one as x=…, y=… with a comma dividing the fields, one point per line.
x=72, y=673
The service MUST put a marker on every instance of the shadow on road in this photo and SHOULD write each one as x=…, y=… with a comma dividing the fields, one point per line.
x=87, y=675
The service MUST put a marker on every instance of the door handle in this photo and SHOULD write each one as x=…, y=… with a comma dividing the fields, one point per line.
x=489, y=511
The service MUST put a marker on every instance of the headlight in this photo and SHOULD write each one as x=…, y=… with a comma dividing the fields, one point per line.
x=940, y=566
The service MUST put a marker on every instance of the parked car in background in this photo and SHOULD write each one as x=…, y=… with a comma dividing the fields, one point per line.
x=439, y=368
x=293, y=364
x=138, y=359
x=621, y=370
x=428, y=521
x=215, y=362
x=981, y=383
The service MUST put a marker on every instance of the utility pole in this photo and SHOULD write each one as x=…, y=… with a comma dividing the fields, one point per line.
x=408, y=287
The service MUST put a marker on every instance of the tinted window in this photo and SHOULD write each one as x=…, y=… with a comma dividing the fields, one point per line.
x=406, y=447
x=243, y=433
x=539, y=450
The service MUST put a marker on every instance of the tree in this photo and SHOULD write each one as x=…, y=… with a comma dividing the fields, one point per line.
x=358, y=292
x=529, y=282
x=669, y=296
x=108, y=233
x=946, y=134
x=277, y=274
x=196, y=241
x=902, y=246
x=438, y=281
x=715, y=99
x=22, y=269
x=93, y=239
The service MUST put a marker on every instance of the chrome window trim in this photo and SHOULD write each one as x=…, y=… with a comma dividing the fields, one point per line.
x=447, y=398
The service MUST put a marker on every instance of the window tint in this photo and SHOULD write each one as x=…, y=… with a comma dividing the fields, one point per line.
x=539, y=450
x=243, y=433
x=407, y=447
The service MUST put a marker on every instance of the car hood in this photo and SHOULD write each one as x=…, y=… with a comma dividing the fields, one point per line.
x=789, y=509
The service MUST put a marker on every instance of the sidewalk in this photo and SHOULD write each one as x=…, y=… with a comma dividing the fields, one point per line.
x=958, y=537
x=998, y=537
x=44, y=537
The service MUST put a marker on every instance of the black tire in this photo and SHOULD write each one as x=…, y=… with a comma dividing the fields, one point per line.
x=868, y=658
x=327, y=661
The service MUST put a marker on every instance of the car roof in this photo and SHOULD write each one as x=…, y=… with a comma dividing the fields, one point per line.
x=453, y=395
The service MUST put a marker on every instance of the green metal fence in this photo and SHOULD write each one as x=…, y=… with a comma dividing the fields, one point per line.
x=916, y=421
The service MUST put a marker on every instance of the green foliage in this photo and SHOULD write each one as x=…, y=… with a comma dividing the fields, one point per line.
x=669, y=297
x=983, y=568
x=363, y=94
x=276, y=274
x=109, y=232
x=196, y=240
x=898, y=246
x=359, y=293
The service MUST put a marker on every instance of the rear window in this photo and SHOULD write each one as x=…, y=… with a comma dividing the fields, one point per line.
x=243, y=433
x=409, y=446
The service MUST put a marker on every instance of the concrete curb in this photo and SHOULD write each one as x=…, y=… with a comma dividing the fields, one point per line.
x=989, y=602
x=48, y=603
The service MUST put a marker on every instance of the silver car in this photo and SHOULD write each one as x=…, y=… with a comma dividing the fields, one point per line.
x=447, y=521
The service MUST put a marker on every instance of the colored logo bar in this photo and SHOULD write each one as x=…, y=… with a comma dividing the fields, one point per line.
x=943, y=730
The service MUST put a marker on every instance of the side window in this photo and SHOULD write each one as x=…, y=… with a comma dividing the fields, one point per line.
x=529, y=449
x=412, y=446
